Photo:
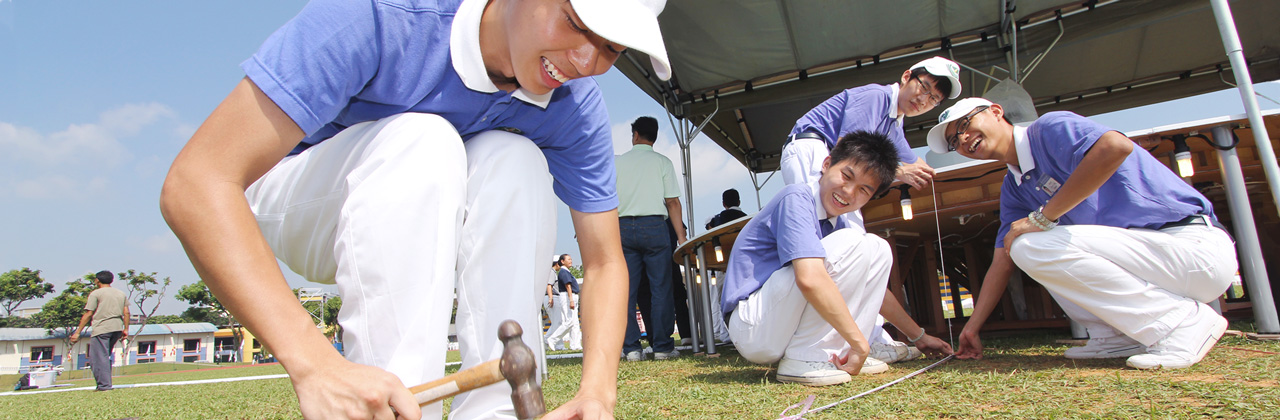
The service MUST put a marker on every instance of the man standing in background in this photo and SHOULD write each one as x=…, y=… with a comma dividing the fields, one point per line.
x=648, y=195
x=110, y=313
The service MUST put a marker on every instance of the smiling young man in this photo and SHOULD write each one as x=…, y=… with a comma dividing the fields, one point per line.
x=878, y=109
x=799, y=289
x=1125, y=246
x=398, y=148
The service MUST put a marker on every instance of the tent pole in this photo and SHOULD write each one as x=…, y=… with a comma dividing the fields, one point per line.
x=1252, y=264
x=1240, y=67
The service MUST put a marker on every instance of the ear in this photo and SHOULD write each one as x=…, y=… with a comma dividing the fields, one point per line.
x=826, y=164
x=906, y=77
x=997, y=111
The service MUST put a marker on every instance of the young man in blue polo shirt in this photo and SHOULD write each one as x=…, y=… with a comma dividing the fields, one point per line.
x=799, y=289
x=877, y=109
x=1125, y=246
x=398, y=148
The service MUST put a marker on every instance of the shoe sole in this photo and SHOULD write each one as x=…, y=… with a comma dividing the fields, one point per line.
x=1216, y=331
x=1127, y=351
x=874, y=369
x=808, y=381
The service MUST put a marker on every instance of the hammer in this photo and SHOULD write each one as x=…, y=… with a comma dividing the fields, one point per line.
x=517, y=365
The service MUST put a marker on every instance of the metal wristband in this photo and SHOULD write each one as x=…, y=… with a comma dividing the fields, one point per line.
x=1038, y=218
x=921, y=337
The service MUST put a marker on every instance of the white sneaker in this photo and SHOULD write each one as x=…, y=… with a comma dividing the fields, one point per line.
x=1186, y=345
x=894, y=352
x=667, y=355
x=1106, y=348
x=810, y=373
x=873, y=366
x=635, y=356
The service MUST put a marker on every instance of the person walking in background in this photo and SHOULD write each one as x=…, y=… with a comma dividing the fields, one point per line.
x=648, y=197
x=566, y=298
x=108, y=309
x=566, y=277
x=552, y=305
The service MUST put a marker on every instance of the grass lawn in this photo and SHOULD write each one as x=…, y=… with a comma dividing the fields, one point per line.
x=1022, y=376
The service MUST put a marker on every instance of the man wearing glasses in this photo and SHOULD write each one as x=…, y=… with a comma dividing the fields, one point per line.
x=1126, y=247
x=877, y=109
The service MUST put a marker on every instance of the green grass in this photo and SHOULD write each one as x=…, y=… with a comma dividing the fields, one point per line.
x=1023, y=376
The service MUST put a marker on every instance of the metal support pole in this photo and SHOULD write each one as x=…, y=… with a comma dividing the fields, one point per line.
x=1244, y=83
x=1250, y=253
x=693, y=315
x=704, y=288
x=1078, y=332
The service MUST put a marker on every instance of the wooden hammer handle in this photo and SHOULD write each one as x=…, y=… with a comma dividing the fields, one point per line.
x=478, y=376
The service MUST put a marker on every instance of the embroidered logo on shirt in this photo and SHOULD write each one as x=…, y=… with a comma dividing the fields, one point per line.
x=1048, y=184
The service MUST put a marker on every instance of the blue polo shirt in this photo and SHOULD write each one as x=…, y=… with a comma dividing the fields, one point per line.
x=343, y=62
x=787, y=228
x=566, y=279
x=872, y=108
x=1143, y=193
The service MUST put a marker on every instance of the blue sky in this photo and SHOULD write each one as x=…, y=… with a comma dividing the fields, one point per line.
x=97, y=97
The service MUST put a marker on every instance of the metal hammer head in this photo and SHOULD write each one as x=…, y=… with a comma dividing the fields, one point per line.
x=520, y=368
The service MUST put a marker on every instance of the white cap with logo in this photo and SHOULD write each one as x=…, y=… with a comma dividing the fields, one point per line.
x=937, y=135
x=632, y=23
x=941, y=67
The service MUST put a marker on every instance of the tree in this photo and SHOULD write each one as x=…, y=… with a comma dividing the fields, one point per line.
x=18, y=286
x=203, y=301
x=142, y=287
x=331, y=309
x=20, y=322
x=62, y=313
x=167, y=319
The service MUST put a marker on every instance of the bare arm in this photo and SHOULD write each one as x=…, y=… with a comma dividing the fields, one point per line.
x=125, y=333
x=821, y=293
x=892, y=311
x=203, y=202
x=916, y=174
x=84, y=319
x=551, y=300
x=604, y=315
x=993, y=286
x=674, y=212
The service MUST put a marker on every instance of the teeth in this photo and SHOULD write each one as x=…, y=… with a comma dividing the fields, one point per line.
x=553, y=71
x=838, y=200
x=974, y=146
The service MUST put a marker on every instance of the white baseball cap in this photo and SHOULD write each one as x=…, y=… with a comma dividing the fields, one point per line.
x=937, y=135
x=941, y=67
x=632, y=23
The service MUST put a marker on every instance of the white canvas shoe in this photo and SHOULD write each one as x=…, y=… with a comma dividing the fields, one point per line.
x=873, y=366
x=894, y=352
x=635, y=356
x=1106, y=348
x=666, y=355
x=811, y=373
x=1186, y=345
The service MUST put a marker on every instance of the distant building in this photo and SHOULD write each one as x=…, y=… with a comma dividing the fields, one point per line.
x=26, y=312
x=24, y=348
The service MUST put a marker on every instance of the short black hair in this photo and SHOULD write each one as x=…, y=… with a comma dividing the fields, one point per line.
x=730, y=198
x=646, y=127
x=562, y=257
x=878, y=155
x=105, y=277
x=942, y=83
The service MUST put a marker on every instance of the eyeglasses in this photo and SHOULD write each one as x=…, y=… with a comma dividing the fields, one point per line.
x=927, y=89
x=962, y=124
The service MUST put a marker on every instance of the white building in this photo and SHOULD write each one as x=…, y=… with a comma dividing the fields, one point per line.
x=23, y=348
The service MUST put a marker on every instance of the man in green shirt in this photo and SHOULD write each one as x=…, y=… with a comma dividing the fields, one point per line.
x=109, y=310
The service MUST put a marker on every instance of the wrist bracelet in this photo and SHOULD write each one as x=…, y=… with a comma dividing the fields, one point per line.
x=1038, y=218
x=921, y=337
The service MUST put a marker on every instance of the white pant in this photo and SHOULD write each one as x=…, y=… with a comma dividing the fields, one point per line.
x=802, y=163
x=397, y=212
x=575, y=332
x=776, y=321
x=1138, y=282
x=554, y=316
x=568, y=322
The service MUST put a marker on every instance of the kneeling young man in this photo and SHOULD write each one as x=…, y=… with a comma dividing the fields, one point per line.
x=1126, y=247
x=802, y=290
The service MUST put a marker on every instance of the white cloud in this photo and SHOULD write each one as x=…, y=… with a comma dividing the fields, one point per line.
x=97, y=142
x=57, y=186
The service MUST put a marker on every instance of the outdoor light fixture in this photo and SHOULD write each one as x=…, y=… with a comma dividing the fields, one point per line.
x=906, y=202
x=1182, y=154
x=697, y=278
x=713, y=279
x=719, y=254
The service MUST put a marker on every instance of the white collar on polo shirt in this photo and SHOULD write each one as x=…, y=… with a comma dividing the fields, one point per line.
x=821, y=211
x=1022, y=145
x=464, y=51
x=893, y=104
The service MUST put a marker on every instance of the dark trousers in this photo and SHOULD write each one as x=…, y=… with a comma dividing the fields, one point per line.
x=646, y=247
x=679, y=295
x=100, y=357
